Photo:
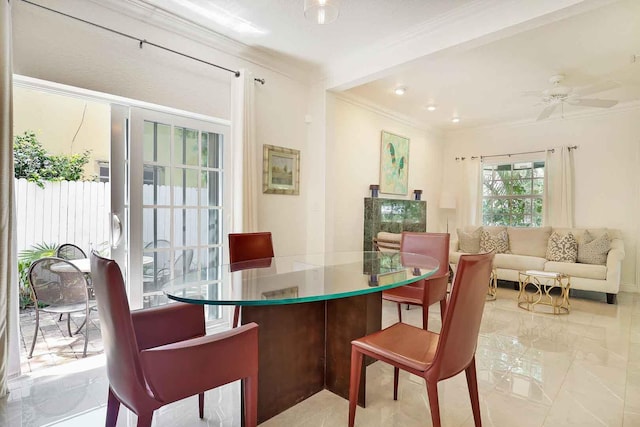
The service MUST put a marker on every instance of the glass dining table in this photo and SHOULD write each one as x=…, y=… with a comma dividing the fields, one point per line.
x=309, y=308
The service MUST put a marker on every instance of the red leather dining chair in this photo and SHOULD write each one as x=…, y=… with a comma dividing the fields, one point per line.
x=160, y=355
x=432, y=290
x=434, y=357
x=248, y=247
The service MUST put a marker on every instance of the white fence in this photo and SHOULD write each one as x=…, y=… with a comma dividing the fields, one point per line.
x=78, y=212
x=62, y=212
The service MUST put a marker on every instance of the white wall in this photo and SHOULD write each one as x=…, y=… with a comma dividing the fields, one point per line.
x=51, y=47
x=607, y=176
x=353, y=163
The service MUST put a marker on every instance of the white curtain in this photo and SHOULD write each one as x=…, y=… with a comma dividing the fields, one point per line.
x=558, y=195
x=244, y=130
x=470, y=210
x=9, y=357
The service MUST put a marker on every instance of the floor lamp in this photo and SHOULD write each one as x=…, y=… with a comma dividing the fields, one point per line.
x=447, y=201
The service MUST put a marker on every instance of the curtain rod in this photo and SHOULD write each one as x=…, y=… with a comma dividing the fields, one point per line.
x=140, y=41
x=553, y=150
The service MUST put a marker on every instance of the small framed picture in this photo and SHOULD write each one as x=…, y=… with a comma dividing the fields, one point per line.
x=280, y=170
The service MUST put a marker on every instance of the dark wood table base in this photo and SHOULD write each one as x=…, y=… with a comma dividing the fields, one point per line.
x=304, y=348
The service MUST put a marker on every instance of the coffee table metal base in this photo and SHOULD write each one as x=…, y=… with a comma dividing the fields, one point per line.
x=535, y=292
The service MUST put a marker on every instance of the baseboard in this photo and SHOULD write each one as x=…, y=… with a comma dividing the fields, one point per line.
x=629, y=287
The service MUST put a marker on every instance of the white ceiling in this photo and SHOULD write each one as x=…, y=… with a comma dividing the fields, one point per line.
x=471, y=58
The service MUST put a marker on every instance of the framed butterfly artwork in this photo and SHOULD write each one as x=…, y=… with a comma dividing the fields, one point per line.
x=394, y=164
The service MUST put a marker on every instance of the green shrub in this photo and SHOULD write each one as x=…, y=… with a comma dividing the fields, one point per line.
x=25, y=258
x=32, y=162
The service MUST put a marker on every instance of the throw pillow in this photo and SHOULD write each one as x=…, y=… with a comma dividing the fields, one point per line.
x=469, y=242
x=562, y=248
x=594, y=250
x=498, y=242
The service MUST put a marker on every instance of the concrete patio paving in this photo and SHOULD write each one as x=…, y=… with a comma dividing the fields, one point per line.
x=53, y=345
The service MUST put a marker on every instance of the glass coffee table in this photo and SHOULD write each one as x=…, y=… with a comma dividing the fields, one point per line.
x=535, y=291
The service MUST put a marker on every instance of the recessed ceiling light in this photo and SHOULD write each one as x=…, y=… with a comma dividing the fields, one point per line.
x=400, y=90
x=321, y=11
x=432, y=107
x=455, y=119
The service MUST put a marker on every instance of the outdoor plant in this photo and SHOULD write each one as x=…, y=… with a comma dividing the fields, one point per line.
x=25, y=258
x=31, y=161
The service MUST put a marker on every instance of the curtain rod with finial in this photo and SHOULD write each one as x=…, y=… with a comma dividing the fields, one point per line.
x=552, y=150
x=141, y=42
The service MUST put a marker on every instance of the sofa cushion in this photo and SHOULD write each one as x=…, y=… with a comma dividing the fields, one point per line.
x=530, y=241
x=518, y=262
x=562, y=248
x=587, y=271
x=593, y=250
x=469, y=242
x=497, y=242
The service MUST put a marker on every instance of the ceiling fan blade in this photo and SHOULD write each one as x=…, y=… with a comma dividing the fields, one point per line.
x=598, y=87
x=593, y=102
x=547, y=112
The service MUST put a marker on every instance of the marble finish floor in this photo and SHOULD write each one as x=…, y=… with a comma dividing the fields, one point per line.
x=581, y=369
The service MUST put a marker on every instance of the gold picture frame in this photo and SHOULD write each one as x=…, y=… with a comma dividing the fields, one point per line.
x=280, y=170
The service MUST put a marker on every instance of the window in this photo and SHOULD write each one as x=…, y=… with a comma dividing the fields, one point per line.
x=103, y=171
x=150, y=173
x=512, y=194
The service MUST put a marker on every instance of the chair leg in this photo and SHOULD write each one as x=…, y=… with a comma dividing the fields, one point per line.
x=354, y=382
x=236, y=316
x=60, y=318
x=35, y=334
x=432, y=391
x=113, y=406
x=472, y=383
x=69, y=324
x=201, y=405
x=145, y=419
x=250, y=401
x=425, y=316
x=399, y=312
x=86, y=331
x=396, y=374
x=443, y=307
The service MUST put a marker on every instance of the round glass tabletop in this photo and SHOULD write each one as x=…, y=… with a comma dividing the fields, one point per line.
x=300, y=278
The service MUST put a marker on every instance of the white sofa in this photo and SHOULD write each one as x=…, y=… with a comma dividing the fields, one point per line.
x=528, y=250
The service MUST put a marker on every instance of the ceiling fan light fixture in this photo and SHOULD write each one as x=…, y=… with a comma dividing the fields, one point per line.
x=321, y=11
x=400, y=90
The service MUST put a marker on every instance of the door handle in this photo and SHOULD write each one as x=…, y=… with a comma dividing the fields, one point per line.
x=116, y=230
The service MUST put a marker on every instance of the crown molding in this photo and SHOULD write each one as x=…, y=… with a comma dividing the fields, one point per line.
x=475, y=23
x=390, y=114
x=162, y=19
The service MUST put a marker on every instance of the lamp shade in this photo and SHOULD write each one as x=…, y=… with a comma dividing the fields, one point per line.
x=447, y=200
x=321, y=11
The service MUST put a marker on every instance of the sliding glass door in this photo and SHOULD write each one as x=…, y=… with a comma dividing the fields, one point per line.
x=175, y=202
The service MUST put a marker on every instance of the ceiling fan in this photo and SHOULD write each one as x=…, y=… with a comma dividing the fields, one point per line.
x=559, y=95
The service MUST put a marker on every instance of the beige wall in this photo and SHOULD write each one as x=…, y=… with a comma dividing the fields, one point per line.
x=353, y=163
x=91, y=58
x=55, y=119
x=607, y=177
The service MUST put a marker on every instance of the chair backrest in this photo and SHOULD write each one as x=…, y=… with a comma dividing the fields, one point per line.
x=120, y=345
x=70, y=251
x=183, y=263
x=160, y=258
x=435, y=245
x=56, y=282
x=461, y=325
x=250, y=246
